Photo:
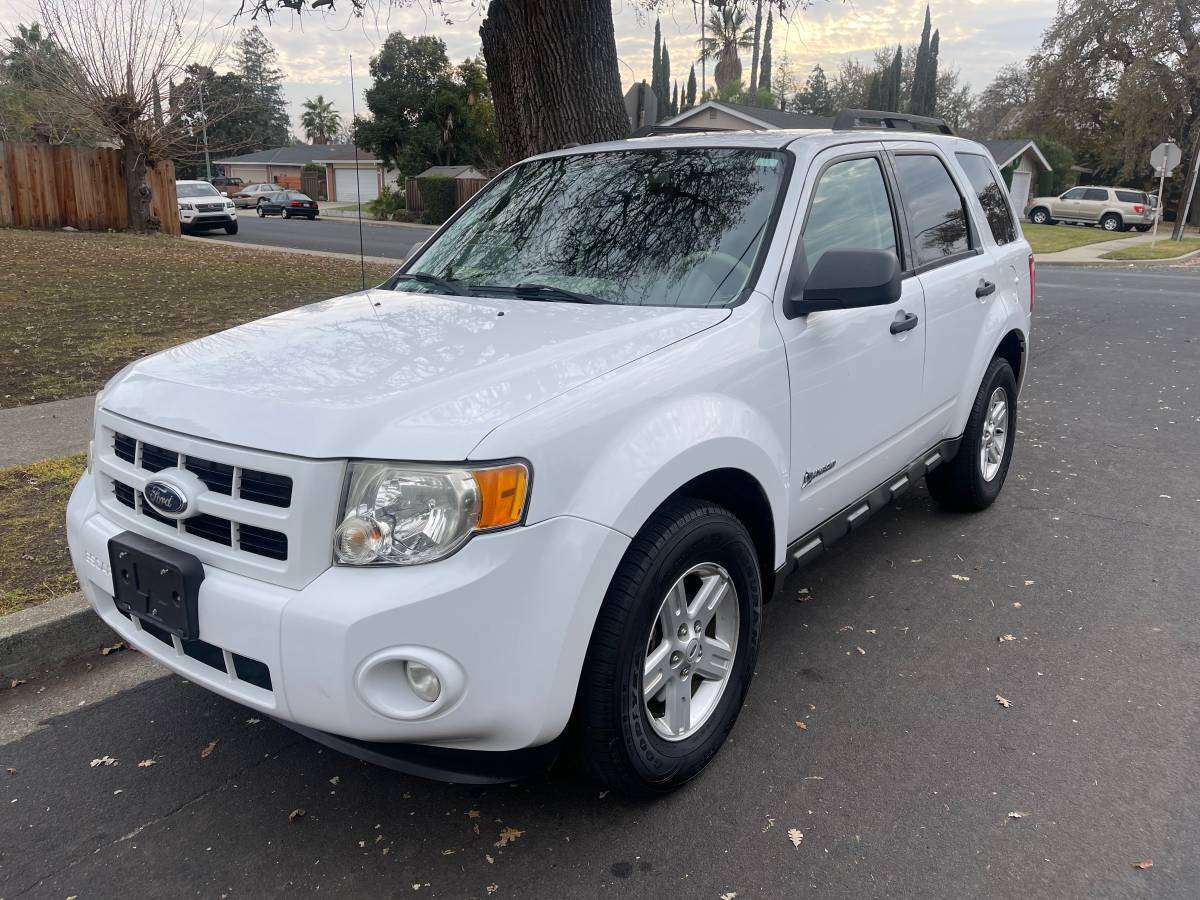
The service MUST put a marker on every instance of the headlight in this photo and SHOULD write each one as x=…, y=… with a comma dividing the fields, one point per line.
x=402, y=514
x=229, y=204
x=185, y=206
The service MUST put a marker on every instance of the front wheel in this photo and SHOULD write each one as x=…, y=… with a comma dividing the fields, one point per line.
x=673, y=651
x=974, y=478
x=1040, y=216
x=231, y=228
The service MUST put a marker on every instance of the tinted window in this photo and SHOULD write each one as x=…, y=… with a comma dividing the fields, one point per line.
x=1095, y=194
x=991, y=197
x=858, y=185
x=1133, y=197
x=937, y=218
x=673, y=227
x=1074, y=194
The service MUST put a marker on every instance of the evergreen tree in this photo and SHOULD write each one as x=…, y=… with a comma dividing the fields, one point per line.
x=675, y=100
x=263, y=110
x=691, y=88
x=764, y=78
x=875, y=92
x=656, y=83
x=664, y=80
x=931, y=76
x=918, y=103
x=890, y=93
x=755, y=57
x=816, y=99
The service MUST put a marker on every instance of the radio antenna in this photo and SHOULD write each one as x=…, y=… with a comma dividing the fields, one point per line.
x=362, y=263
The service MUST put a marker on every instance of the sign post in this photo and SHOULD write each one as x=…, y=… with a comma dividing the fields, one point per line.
x=1165, y=157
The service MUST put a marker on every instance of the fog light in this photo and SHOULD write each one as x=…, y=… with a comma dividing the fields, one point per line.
x=423, y=681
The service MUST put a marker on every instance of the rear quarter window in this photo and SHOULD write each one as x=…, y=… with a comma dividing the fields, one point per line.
x=1132, y=197
x=991, y=197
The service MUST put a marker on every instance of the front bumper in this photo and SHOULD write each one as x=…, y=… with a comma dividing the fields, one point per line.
x=190, y=218
x=505, y=622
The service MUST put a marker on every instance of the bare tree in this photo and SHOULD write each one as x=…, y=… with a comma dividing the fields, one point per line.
x=118, y=60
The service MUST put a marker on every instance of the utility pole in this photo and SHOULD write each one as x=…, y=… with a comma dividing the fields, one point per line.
x=703, y=55
x=204, y=127
x=1181, y=222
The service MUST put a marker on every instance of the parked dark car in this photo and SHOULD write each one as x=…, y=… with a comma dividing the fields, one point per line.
x=288, y=204
x=227, y=185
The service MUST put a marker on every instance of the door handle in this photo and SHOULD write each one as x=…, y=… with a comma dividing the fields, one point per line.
x=904, y=321
x=985, y=288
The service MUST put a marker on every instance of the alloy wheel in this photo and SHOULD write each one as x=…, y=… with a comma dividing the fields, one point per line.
x=690, y=651
x=995, y=434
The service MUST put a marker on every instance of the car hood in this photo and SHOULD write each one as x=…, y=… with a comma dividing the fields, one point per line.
x=388, y=374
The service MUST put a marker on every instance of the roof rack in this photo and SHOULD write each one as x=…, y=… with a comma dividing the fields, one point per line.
x=656, y=130
x=875, y=120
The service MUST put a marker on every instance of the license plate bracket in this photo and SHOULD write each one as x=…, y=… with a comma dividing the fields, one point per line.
x=156, y=583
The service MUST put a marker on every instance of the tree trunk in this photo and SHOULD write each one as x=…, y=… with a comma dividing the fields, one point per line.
x=552, y=67
x=137, y=192
x=754, y=59
x=1182, y=211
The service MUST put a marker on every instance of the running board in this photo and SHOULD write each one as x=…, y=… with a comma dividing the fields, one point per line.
x=811, y=545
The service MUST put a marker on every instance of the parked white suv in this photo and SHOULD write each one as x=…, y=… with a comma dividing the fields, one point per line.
x=536, y=487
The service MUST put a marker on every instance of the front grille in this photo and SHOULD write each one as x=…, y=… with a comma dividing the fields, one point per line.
x=124, y=494
x=209, y=207
x=125, y=448
x=216, y=476
x=155, y=459
x=263, y=487
x=211, y=528
x=245, y=669
x=150, y=512
x=263, y=542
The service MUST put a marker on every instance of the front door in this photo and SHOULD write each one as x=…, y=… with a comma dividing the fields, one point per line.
x=855, y=385
x=1069, y=205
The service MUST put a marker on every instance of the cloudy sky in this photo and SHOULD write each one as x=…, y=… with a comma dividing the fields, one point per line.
x=978, y=37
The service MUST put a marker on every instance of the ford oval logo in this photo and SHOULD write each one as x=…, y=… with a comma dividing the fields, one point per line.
x=165, y=498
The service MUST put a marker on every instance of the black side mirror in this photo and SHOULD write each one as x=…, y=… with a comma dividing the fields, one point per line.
x=848, y=279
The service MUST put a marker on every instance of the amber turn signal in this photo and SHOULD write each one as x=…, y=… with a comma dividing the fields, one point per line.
x=502, y=494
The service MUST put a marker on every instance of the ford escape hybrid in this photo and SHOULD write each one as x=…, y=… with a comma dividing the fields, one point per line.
x=533, y=491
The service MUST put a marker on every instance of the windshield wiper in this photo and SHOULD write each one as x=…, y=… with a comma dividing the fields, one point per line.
x=445, y=284
x=550, y=292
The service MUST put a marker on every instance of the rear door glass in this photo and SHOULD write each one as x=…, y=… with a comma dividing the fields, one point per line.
x=1132, y=197
x=991, y=197
x=937, y=217
x=1095, y=194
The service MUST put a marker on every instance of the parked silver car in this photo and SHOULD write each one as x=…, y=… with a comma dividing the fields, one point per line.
x=249, y=196
x=1113, y=209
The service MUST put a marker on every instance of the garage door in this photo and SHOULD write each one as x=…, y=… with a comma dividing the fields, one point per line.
x=348, y=188
x=1020, y=191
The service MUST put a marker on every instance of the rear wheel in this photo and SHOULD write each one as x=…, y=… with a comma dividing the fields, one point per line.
x=673, y=651
x=1040, y=216
x=1142, y=228
x=974, y=478
x=1111, y=222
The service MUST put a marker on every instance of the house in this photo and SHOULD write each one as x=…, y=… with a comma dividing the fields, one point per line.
x=345, y=178
x=722, y=115
x=1022, y=164
x=461, y=172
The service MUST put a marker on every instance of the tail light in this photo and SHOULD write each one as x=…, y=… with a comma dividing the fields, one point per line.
x=1031, y=282
x=1138, y=208
x=297, y=203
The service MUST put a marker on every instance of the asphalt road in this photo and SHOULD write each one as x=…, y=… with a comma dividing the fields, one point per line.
x=328, y=234
x=909, y=779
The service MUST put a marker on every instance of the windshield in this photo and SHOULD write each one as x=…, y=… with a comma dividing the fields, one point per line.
x=196, y=190
x=677, y=227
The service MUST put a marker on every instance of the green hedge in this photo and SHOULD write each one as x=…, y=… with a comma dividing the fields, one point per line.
x=438, y=196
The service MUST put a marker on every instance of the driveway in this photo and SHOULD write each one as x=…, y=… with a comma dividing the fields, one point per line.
x=908, y=777
x=387, y=241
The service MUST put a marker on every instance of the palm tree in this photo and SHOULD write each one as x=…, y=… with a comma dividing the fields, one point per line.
x=320, y=120
x=727, y=34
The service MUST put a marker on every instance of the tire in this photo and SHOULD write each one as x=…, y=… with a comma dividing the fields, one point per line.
x=619, y=741
x=262, y=213
x=284, y=214
x=1111, y=222
x=1040, y=216
x=231, y=228
x=962, y=484
x=312, y=217
x=1142, y=228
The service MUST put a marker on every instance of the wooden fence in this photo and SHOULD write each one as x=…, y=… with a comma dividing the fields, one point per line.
x=51, y=186
x=465, y=189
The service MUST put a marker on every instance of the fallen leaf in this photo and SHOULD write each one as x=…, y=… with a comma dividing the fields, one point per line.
x=1143, y=864
x=335, y=779
x=507, y=835
x=488, y=857
x=795, y=835
x=1016, y=604
x=115, y=648
x=729, y=895
x=472, y=814
x=1028, y=583
x=960, y=577
x=492, y=888
x=17, y=682
x=118, y=791
x=209, y=748
x=1017, y=815
x=147, y=763
x=872, y=631
x=845, y=628
x=1003, y=702
x=295, y=814
x=1005, y=638
x=103, y=761
x=860, y=650
x=253, y=721
x=12, y=771
x=770, y=824
x=801, y=725
x=918, y=560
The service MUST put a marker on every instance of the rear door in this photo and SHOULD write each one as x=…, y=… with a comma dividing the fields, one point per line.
x=957, y=274
x=1094, y=203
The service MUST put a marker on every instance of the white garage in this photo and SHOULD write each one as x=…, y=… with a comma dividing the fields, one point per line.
x=351, y=184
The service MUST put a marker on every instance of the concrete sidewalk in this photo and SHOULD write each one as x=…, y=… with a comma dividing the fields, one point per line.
x=1092, y=254
x=45, y=430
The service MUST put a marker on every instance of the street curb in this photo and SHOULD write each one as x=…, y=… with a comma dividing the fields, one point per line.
x=337, y=216
x=1109, y=263
x=352, y=257
x=41, y=636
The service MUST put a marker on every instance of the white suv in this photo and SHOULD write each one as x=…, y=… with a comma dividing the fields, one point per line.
x=534, y=490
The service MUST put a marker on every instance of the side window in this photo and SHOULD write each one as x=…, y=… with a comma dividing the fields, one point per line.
x=991, y=197
x=850, y=211
x=1073, y=194
x=1132, y=197
x=1095, y=194
x=937, y=217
